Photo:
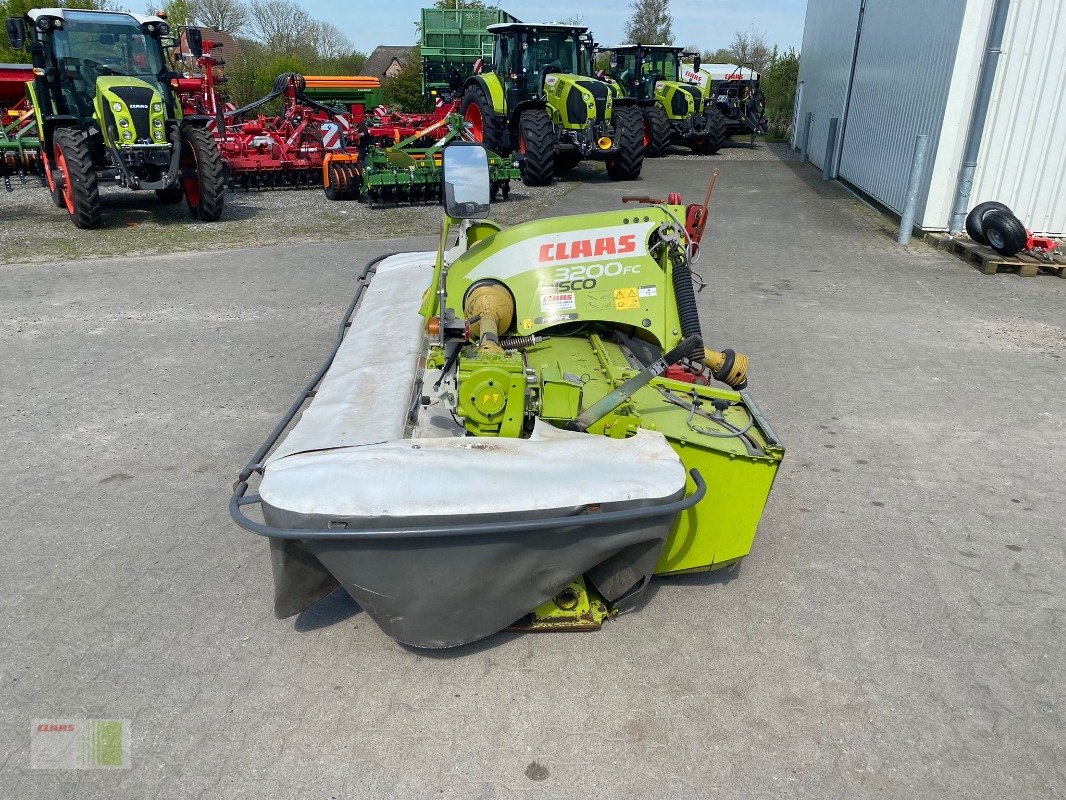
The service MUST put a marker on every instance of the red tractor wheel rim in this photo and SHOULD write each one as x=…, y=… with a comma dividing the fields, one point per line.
x=68, y=189
x=522, y=143
x=647, y=131
x=190, y=178
x=475, y=123
x=48, y=172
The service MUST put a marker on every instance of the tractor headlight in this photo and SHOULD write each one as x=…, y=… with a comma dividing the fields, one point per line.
x=157, y=122
x=163, y=29
x=124, y=123
x=59, y=23
x=116, y=106
x=157, y=108
x=158, y=134
x=127, y=135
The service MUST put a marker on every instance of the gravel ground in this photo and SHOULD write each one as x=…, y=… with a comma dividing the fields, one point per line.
x=136, y=224
x=33, y=230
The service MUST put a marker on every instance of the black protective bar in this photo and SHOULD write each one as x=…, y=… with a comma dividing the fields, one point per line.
x=570, y=521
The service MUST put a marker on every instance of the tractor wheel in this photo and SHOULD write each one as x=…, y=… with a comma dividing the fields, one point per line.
x=81, y=195
x=54, y=189
x=1005, y=232
x=481, y=120
x=625, y=165
x=975, y=224
x=202, y=175
x=567, y=160
x=656, y=131
x=716, y=134
x=536, y=143
x=170, y=195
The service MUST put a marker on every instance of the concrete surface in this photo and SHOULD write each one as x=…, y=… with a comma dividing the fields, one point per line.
x=896, y=633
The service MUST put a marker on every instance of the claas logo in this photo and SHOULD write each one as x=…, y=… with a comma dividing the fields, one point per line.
x=588, y=248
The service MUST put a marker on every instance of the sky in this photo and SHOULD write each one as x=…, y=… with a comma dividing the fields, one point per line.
x=708, y=24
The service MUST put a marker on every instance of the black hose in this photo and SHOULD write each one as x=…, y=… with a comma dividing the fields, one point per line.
x=685, y=296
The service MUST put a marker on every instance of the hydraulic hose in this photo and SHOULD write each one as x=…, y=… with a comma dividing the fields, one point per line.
x=727, y=366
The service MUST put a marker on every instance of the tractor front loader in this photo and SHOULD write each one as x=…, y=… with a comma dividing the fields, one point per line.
x=106, y=112
x=673, y=110
x=541, y=102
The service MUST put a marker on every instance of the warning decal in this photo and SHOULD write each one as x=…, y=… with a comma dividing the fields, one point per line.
x=625, y=299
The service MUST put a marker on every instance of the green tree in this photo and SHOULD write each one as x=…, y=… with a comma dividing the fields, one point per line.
x=779, y=86
x=18, y=8
x=179, y=12
x=463, y=4
x=404, y=90
x=722, y=55
x=650, y=23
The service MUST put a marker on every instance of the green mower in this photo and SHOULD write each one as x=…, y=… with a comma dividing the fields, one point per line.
x=107, y=114
x=519, y=429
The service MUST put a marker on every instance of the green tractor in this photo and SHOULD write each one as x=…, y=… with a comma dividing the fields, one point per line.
x=541, y=101
x=107, y=113
x=673, y=110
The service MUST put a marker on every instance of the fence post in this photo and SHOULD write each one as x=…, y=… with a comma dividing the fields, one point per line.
x=910, y=204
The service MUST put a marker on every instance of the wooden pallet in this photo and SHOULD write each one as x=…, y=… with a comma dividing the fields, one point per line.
x=989, y=262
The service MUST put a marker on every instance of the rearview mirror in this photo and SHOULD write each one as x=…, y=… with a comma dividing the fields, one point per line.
x=16, y=32
x=195, y=39
x=697, y=62
x=466, y=180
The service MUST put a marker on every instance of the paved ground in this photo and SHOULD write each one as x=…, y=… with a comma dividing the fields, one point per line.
x=897, y=632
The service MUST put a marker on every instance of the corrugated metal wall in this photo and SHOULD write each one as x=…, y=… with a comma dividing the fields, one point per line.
x=900, y=90
x=825, y=65
x=1023, y=153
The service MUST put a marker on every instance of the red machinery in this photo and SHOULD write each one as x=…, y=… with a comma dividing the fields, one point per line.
x=310, y=142
x=289, y=149
x=389, y=127
x=20, y=149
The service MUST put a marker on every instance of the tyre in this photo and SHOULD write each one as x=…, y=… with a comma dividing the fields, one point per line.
x=975, y=220
x=656, y=131
x=345, y=182
x=536, y=143
x=1005, y=232
x=202, y=175
x=567, y=160
x=81, y=195
x=54, y=190
x=625, y=165
x=712, y=142
x=482, y=121
x=170, y=195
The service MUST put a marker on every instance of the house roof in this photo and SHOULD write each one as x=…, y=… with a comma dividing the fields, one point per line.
x=230, y=46
x=382, y=57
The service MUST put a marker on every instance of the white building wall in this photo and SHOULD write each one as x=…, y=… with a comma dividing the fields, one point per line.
x=1023, y=153
x=825, y=65
x=917, y=72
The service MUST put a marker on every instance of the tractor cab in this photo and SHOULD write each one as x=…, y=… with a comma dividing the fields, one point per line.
x=106, y=68
x=636, y=68
x=524, y=55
